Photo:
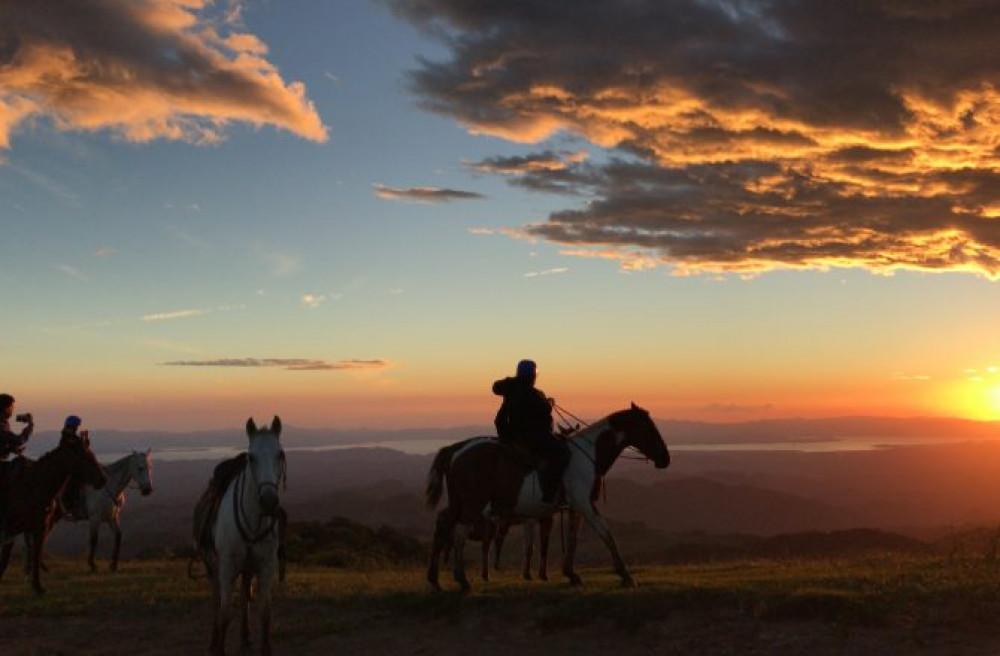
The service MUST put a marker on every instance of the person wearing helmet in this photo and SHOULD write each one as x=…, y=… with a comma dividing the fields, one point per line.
x=11, y=444
x=73, y=499
x=525, y=418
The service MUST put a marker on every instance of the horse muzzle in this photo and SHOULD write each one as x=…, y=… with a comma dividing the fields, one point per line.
x=146, y=491
x=268, y=501
x=662, y=463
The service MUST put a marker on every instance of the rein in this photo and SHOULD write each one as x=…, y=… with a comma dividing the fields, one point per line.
x=564, y=423
x=239, y=514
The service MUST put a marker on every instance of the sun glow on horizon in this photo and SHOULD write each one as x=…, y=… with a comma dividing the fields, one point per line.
x=977, y=396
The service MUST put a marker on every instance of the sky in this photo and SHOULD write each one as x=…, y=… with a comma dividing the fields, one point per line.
x=361, y=213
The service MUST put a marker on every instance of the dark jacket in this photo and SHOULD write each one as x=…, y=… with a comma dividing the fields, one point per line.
x=525, y=414
x=10, y=442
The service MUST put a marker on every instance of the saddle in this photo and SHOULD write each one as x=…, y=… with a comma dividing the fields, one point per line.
x=521, y=454
x=73, y=505
x=207, y=508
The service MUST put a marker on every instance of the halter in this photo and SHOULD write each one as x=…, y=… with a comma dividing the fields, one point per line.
x=239, y=514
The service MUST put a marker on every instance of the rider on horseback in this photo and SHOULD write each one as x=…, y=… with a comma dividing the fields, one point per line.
x=11, y=444
x=72, y=501
x=525, y=419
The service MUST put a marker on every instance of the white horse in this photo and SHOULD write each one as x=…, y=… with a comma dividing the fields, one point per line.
x=245, y=536
x=480, y=472
x=105, y=506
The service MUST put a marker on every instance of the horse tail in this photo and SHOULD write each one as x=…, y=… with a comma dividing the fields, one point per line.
x=439, y=469
x=435, y=477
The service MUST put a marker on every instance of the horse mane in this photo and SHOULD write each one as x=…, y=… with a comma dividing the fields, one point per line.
x=118, y=465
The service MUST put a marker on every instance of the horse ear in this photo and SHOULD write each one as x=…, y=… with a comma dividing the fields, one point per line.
x=634, y=406
x=251, y=427
x=276, y=425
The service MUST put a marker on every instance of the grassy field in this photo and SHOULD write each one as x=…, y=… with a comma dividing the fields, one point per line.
x=862, y=605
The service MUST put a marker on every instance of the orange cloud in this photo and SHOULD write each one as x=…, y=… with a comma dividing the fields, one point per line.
x=291, y=364
x=156, y=69
x=740, y=137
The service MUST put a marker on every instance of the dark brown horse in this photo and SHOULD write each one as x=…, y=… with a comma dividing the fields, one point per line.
x=32, y=490
x=486, y=479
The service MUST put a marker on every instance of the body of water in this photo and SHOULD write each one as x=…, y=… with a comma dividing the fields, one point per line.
x=425, y=447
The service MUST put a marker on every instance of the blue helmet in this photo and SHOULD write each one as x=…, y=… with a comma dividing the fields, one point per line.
x=73, y=422
x=526, y=369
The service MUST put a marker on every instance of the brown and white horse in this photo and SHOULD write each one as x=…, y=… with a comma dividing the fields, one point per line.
x=486, y=479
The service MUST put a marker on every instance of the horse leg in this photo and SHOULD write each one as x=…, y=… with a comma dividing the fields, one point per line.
x=5, y=557
x=571, y=537
x=498, y=544
x=601, y=527
x=27, y=555
x=37, y=542
x=245, y=592
x=264, y=585
x=117, y=530
x=458, y=557
x=95, y=527
x=544, y=533
x=443, y=528
x=529, y=549
x=223, y=589
x=489, y=534
x=485, y=563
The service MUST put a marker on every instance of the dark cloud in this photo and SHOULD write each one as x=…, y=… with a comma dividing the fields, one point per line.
x=146, y=70
x=747, y=135
x=425, y=194
x=291, y=364
x=545, y=161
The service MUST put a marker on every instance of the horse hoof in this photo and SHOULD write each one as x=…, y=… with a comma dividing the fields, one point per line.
x=575, y=581
x=526, y=576
x=39, y=590
x=628, y=582
x=543, y=577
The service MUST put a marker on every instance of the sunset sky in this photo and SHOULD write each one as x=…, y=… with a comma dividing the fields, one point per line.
x=359, y=213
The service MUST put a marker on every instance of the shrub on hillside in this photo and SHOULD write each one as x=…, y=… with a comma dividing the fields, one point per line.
x=342, y=543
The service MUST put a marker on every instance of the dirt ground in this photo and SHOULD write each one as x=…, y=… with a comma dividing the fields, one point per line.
x=304, y=629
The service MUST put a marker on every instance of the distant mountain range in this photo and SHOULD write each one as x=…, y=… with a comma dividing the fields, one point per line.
x=675, y=432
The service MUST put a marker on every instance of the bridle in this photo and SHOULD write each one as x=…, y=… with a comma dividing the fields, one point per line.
x=563, y=413
x=239, y=512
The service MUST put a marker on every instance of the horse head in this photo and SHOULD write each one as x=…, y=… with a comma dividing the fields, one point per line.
x=641, y=432
x=141, y=470
x=266, y=462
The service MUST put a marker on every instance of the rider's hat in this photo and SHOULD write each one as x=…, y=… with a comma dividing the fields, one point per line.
x=526, y=369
